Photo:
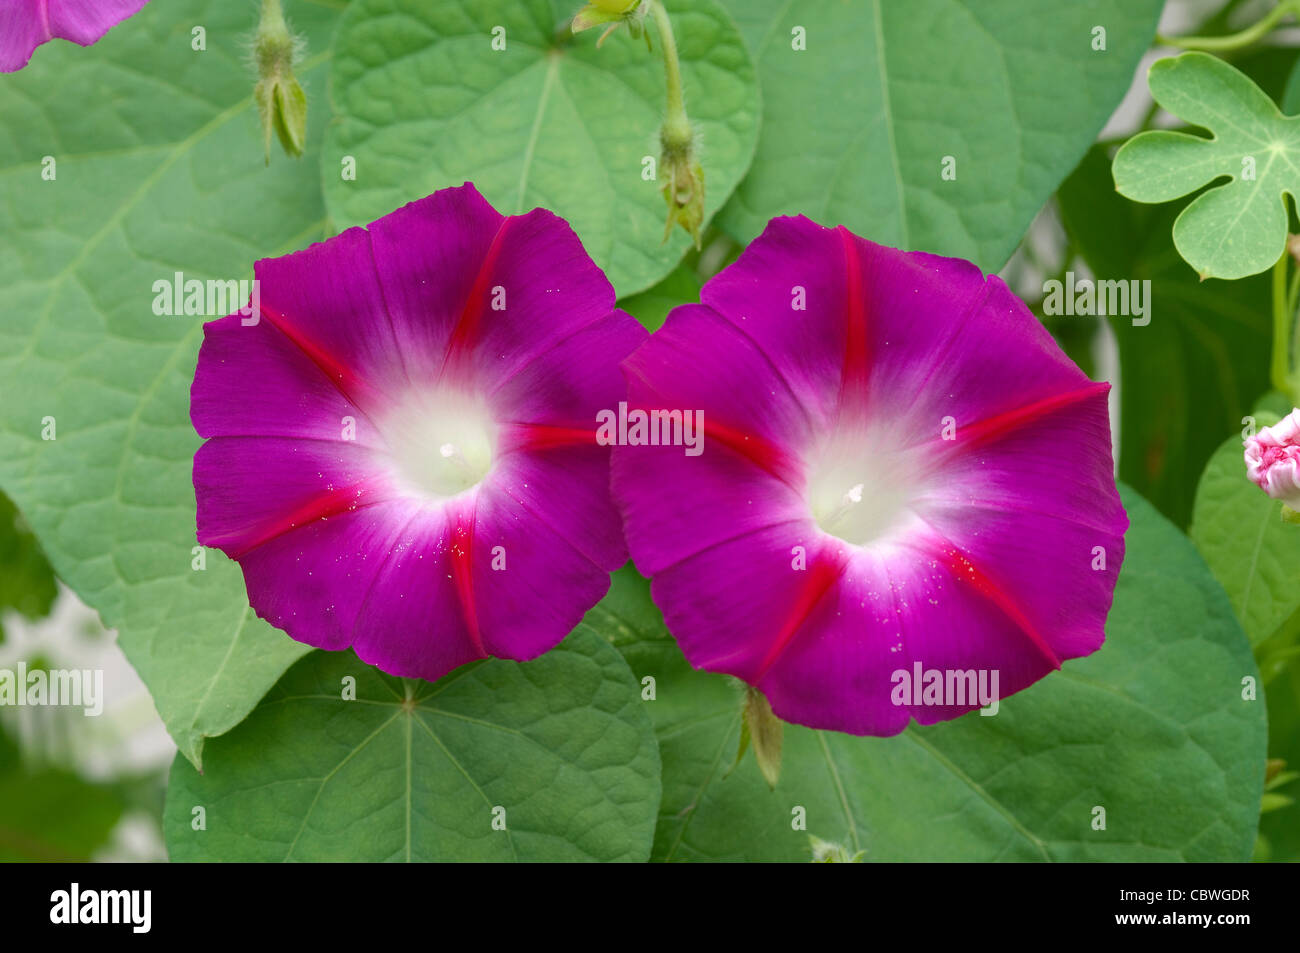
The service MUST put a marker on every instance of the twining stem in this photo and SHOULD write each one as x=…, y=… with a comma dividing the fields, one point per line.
x=1234, y=41
x=1281, y=366
x=677, y=127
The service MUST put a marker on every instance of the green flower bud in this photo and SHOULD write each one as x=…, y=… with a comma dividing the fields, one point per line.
x=829, y=852
x=280, y=100
x=612, y=14
x=760, y=726
x=683, y=179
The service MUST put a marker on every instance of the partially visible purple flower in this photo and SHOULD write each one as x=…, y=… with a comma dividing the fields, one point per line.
x=901, y=473
x=1273, y=460
x=26, y=24
x=401, y=452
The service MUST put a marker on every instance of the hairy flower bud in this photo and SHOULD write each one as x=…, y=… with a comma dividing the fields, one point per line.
x=611, y=14
x=683, y=179
x=829, y=852
x=280, y=100
x=761, y=727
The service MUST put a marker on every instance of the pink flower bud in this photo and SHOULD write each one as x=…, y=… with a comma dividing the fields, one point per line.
x=1273, y=459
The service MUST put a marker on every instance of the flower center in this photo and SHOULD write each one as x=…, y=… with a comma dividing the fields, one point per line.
x=860, y=489
x=441, y=441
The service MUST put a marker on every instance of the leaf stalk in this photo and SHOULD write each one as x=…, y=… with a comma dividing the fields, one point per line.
x=1234, y=41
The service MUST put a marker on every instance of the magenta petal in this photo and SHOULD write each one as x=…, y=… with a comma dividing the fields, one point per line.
x=434, y=259
x=542, y=268
x=728, y=604
x=22, y=29
x=883, y=616
x=26, y=24
x=794, y=263
x=413, y=619
x=531, y=581
x=901, y=468
x=85, y=21
x=549, y=458
x=252, y=489
x=293, y=398
x=958, y=366
x=744, y=480
x=399, y=465
x=570, y=381
x=744, y=392
x=465, y=285
x=568, y=486
x=825, y=642
x=328, y=301
x=1032, y=519
x=314, y=582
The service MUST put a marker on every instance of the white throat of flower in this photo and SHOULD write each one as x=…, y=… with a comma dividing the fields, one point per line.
x=861, y=487
x=442, y=442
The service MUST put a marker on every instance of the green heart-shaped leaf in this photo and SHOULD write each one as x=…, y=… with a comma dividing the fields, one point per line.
x=550, y=760
x=864, y=102
x=429, y=95
x=158, y=168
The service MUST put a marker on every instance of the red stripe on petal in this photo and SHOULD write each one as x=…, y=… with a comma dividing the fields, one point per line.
x=857, y=350
x=764, y=453
x=543, y=437
x=338, y=373
x=462, y=573
x=965, y=571
x=460, y=343
x=322, y=507
x=783, y=465
x=821, y=576
x=970, y=436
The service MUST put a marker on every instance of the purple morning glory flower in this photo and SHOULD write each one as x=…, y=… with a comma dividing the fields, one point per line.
x=401, y=452
x=902, y=474
x=26, y=24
